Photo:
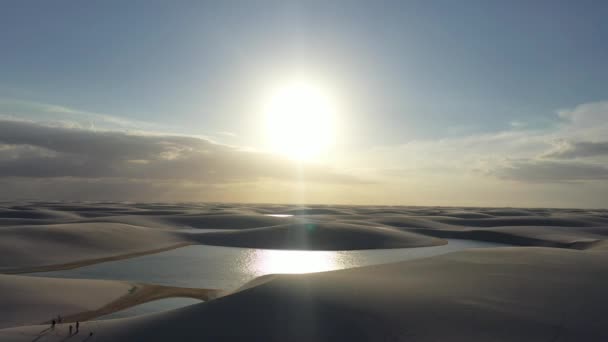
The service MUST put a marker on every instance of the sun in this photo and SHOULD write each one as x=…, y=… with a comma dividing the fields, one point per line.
x=299, y=120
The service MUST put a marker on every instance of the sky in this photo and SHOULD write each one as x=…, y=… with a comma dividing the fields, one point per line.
x=457, y=103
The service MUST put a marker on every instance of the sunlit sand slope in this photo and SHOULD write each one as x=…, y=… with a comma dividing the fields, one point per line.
x=502, y=294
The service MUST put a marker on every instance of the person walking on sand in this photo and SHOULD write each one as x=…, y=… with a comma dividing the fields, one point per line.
x=70, y=329
x=53, y=324
x=77, y=326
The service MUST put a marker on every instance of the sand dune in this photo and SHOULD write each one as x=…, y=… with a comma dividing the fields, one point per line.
x=519, y=221
x=34, y=235
x=319, y=236
x=314, y=211
x=498, y=294
x=229, y=221
x=503, y=294
x=559, y=230
x=33, y=300
x=40, y=245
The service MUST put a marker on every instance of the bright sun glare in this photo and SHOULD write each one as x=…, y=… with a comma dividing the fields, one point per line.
x=299, y=120
x=267, y=261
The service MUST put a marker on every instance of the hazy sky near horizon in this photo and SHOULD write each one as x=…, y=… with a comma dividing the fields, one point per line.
x=497, y=103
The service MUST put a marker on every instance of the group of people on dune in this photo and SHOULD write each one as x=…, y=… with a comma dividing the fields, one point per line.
x=59, y=320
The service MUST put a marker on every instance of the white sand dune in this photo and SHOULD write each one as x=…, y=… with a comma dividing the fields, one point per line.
x=558, y=230
x=55, y=235
x=498, y=294
x=33, y=300
x=502, y=294
x=46, y=234
x=227, y=221
x=319, y=236
x=31, y=248
x=23, y=247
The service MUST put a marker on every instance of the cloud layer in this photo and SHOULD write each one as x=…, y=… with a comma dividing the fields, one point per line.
x=32, y=150
x=581, y=149
x=542, y=171
x=574, y=150
x=66, y=161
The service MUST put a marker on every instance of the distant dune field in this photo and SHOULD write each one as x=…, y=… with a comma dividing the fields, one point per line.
x=549, y=286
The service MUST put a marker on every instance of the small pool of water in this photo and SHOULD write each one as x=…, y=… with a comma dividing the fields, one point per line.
x=228, y=268
x=150, y=307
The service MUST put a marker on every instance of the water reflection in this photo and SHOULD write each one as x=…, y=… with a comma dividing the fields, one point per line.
x=265, y=261
x=229, y=268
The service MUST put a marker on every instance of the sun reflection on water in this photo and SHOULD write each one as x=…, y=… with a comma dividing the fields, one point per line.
x=266, y=261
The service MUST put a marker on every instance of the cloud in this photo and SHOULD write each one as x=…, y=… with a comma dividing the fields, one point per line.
x=518, y=124
x=578, y=151
x=585, y=122
x=227, y=134
x=586, y=114
x=582, y=149
x=52, y=114
x=75, y=161
x=33, y=150
x=575, y=148
x=547, y=171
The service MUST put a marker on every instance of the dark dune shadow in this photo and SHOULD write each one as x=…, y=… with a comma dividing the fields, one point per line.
x=318, y=236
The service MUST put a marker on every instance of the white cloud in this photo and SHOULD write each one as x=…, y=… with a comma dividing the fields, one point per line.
x=76, y=161
x=227, y=134
x=581, y=149
x=542, y=171
x=55, y=115
x=518, y=154
x=39, y=151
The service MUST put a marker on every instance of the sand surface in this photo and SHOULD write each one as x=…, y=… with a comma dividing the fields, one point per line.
x=551, y=288
x=33, y=300
x=502, y=294
x=319, y=236
x=30, y=246
x=48, y=236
